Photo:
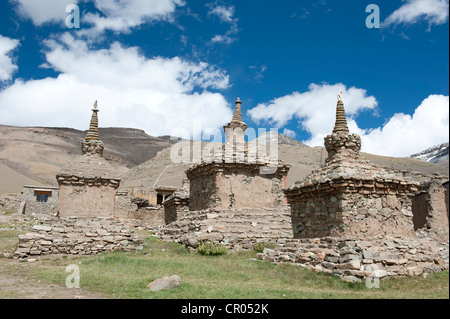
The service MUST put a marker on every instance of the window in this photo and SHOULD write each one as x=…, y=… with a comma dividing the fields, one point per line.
x=42, y=198
x=42, y=195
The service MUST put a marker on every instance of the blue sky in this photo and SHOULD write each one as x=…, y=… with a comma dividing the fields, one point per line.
x=168, y=66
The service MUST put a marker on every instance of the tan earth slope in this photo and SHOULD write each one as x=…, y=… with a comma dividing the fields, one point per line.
x=34, y=155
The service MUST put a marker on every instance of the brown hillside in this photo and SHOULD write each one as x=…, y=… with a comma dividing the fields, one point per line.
x=39, y=153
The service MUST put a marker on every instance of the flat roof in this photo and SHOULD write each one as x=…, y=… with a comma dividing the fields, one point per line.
x=40, y=188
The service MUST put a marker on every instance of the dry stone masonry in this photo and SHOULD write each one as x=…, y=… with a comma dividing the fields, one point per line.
x=238, y=229
x=355, y=258
x=77, y=236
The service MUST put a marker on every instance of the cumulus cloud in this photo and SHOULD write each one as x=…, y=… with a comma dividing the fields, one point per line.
x=435, y=12
x=401, y=135
x=43, y=11
x=117, y=15
x=315, y=108
x=404, y=134
x=159, y=95
x=122, y=15
x=7, y=65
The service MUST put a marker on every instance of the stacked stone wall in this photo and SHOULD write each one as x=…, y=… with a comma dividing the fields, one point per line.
x=236, y=229
x=430, y=210
x=352, y=207
x=355, y=258
x=203, y=190
x=77, y=236
x=175, y=206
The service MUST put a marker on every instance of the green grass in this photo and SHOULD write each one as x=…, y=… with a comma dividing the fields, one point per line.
x=235, y=275
x=8, y=240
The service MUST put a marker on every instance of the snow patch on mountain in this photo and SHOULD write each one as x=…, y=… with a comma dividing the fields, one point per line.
x=434, y=154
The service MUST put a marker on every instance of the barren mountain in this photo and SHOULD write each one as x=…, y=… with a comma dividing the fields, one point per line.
x=39, y=153
x=435, y=154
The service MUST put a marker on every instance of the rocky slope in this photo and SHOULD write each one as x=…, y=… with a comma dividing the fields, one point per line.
x=274, y=137
x=434, y=154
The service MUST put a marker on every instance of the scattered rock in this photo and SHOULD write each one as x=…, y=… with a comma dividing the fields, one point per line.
x=165, y=283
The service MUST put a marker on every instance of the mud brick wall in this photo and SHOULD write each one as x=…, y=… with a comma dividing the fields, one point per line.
x=430, y=210
x=351, y=207
x=235, y=228
x=226, y=186
x=77, y=236
x=86, y=197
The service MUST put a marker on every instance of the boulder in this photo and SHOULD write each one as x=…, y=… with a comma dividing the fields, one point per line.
x=165, y=283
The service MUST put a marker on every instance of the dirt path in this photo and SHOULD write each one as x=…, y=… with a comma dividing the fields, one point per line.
x=13, y=285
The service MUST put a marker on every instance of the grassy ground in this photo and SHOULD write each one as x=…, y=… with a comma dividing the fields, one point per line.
x=240, y=275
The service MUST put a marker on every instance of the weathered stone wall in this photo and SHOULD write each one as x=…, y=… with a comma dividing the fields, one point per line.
x=203, y=192
x=149, y=215
x=352, y=207
x=123, y=205
x=175, y=206
x=249, y=191
x=235, y=228
x=354, y=258
x=31, y=204
x=126, y=209
x=77, y=236
x=340, y=142
x=445, y=185
x=225, y=186
x=86, y=200
x=430, y=211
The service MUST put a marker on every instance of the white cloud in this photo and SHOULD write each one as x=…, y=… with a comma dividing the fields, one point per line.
x=7, y=66
x=225, y=15
x=404, y=134
x=117, y=15
x=289, y=133
x=315, y=108
x=122, y=15
x=43, y=11
x=159, y=95
x=433, y=11
x=401, y=135
x=259, y=71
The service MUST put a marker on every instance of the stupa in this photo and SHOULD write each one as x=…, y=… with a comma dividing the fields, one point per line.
x=87, y=186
